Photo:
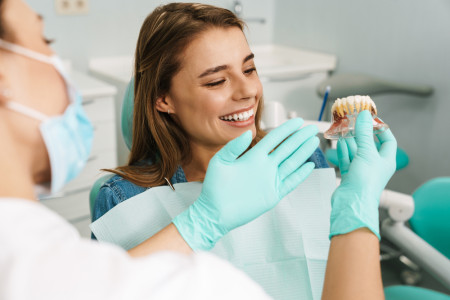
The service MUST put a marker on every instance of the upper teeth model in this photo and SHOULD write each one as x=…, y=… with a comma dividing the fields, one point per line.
x=344, y=113
x=243, y=116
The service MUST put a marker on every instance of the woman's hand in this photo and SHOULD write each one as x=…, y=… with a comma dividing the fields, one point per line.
x=365, y=172
x=237, y=190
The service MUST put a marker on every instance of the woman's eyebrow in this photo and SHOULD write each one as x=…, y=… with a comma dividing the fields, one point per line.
x=248, y=57
x=213, y=70
x=223, y=67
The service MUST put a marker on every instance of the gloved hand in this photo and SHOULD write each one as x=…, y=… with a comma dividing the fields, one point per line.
x=237, y=190
x=365, y=171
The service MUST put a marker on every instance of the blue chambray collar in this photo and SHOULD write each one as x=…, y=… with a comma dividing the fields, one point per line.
x=179, y=176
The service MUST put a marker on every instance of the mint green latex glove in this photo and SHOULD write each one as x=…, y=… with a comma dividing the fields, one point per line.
x=365, y=171
x=236, y=190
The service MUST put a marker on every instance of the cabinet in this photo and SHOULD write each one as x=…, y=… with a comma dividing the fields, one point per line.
x=117, y=71
x=72, y=202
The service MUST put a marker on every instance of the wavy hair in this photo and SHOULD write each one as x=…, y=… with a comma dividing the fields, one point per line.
x=2, y=27
x=159, y=143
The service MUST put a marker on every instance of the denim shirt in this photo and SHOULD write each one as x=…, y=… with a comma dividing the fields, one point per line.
x=117, y=189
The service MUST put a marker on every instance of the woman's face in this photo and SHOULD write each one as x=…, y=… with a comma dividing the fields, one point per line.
x=216, y=93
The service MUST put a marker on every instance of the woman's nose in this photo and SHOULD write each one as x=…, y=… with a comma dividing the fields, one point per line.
x=245, y=88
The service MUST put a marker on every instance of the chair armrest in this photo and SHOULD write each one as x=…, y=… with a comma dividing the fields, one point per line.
x=399, y=206
x=418, y=250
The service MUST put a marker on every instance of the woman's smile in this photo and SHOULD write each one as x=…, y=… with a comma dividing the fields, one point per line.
x=240, y=118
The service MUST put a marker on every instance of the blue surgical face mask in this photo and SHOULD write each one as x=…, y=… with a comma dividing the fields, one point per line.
x=68, y=137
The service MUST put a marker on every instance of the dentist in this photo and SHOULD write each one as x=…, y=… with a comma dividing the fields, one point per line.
x=46, y=137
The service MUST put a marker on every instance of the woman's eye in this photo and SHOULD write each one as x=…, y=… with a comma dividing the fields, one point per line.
x=215, y=83
x=250, y=71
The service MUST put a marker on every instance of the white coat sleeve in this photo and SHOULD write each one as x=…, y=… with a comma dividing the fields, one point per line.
x=43, y=257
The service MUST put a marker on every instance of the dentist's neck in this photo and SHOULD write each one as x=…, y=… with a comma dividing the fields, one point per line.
x=16, y=177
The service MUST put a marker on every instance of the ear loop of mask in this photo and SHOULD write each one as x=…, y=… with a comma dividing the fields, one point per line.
x=25, y=110
x=25, y=52
x=20, y=108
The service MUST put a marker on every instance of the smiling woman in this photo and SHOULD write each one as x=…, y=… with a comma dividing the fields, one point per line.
x=218, y=79
x=196, y=89
x=185, y=80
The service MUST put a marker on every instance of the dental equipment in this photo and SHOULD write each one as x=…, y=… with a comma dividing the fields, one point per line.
x=325, y=98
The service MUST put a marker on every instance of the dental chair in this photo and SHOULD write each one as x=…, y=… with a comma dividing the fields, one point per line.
x=431, y=218
x=126, y=126
x=401, y=292
x=427, y=242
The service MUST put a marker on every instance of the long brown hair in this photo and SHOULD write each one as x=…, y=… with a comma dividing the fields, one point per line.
x=2, y=27
x=159, y=144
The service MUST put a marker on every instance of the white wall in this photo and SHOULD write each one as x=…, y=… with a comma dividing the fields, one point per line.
x=111, y=27
x=402, y=40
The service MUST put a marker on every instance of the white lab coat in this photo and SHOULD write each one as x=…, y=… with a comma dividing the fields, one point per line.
x=43, y=257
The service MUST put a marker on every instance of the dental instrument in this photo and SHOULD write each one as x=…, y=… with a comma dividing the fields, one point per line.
x=325, y=98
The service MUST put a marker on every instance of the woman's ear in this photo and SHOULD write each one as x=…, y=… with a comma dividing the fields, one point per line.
x=164, y=104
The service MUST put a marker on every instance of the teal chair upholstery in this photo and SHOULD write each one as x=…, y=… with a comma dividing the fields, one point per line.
x=431, y=218
x=402, y=158
x=401, y=292
x=126, y=125
x=127, y=114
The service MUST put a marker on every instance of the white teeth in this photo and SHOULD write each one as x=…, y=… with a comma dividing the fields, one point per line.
x=244, y=116
x=353, y=104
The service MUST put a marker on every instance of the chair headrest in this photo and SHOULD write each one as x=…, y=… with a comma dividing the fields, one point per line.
x=127, y=114
x=345, y=84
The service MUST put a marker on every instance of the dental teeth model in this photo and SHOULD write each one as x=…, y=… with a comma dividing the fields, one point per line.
x=344, y=113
